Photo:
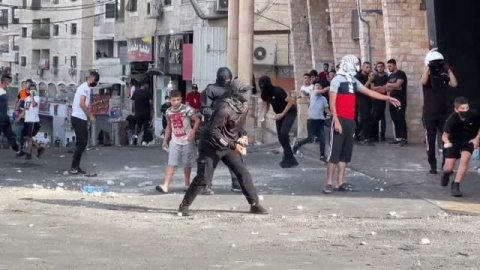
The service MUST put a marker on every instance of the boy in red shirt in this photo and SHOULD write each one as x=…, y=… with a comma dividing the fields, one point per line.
x=193, y=98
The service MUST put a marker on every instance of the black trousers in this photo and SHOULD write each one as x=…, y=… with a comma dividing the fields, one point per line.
x=364, y=118
x=80, y=127
x=142, y=122
x=316, y=128
x=6, y=129
x=207, y=162
x=284, y=126
x=378, y=115
x=433, y=126
x=398, y=118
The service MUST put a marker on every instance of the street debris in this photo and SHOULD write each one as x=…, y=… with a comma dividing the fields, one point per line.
x=59, y=189
x=300, y=207
x=110, y=182
x=60, y=184
x=31, y=225
x=363, y=243
x=122, y=184
x=373, y=233
x=126, y=168
x=65, y=173
x=145, y=184
x=37, y=186
x=425, y=241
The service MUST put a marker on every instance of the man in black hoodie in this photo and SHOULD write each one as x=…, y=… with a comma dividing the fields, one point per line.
x=224, y=138
x=217, y=91
x=284, y=107
x=5, y=125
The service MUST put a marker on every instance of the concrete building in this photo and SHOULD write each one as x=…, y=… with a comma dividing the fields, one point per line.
x=9, y=43
x=56, y=53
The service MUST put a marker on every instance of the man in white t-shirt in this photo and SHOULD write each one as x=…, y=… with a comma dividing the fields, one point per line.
x=32, y=122
x=307, y=86
x=80, y=116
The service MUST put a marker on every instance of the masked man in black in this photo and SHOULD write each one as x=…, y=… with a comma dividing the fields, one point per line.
x=224, y=138
x=220, y=89
x=436, y=80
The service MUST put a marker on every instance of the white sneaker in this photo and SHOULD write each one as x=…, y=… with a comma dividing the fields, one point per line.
x=144, y=143
x=161, y=189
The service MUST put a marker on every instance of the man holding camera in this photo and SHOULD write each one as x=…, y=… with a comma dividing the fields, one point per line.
x=436, y=79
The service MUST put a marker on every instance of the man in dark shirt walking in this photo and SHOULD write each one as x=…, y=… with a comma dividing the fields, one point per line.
x=143, y=108
x=285, y=109
x=436, y=80
x=397, y=87
x=378, y=106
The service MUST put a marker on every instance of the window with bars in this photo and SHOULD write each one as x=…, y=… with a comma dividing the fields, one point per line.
x=132, y=5
x=110, y=10
x=73, y=29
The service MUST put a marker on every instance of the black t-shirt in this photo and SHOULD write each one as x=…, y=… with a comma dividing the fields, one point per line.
x=380, y=81
x=276, y=96
x=142, y=99
x=435, y=96
x=462, y=131
x=361, y=98
x=401, y=94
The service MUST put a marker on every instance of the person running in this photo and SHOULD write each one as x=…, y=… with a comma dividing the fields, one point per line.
x=378, y=106
x=316, y=120
x=214, y=92
x=5, y=125
x=224, y=138
x=436, y=80
x=342, y=105
x=286, y=111
x=80, y=116
x=32, y=123
x=142, y=110
x=460, y=137
x=181, y=147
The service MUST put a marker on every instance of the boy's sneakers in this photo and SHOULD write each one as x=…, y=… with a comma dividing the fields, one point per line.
x=208, y=191
x=295, y=148
x=236, y=187
x=433, y=169
x=162, y=189
x=456, y=190
x=445, y=179
x=403, y=143
x=40, y=151
x=20, y=154
x=77, y=171
x=258, y=209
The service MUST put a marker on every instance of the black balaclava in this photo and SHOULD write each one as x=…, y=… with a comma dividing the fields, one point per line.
x=265, y=83
x=224, y=76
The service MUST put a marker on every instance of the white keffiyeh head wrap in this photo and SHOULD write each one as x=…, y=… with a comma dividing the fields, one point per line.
x=349, y=67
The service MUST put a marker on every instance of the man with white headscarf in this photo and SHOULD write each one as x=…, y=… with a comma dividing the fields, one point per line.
x=436, y=79
x=342, y=105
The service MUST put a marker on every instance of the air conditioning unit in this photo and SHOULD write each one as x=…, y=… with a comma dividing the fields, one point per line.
x=221, y=6
x=264, y=53
x=44, y=64
x=72, y=71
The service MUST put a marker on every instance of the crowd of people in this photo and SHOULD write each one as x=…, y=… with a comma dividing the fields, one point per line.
x=349, y=102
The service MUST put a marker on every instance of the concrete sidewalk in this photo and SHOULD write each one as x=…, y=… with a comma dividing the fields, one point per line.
x=407, y=169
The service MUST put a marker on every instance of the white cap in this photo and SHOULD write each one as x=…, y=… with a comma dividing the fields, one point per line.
x=433, y=55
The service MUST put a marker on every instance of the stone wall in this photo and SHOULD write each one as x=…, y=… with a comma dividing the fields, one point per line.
x=406, y=40
x=322, y=48
x=377, y=32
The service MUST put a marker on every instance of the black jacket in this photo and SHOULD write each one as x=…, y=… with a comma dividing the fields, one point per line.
x=225, y=126
x=212, y=93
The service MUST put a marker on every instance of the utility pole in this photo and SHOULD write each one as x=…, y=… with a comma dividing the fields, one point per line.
x=245, y=29
x=233, y=14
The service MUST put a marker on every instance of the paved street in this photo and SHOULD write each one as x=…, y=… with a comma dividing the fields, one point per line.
x=47, y=223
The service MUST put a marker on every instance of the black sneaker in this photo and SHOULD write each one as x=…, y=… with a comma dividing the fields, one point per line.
x=257, y=209
x=445, y=180
x=28, y=157
x=323, y=159
x=289, y=163
x=208, y=191
x=368, y=143
x=456, y=190
x=396, y=142
x=403, y=143
x=77, y=171
x=236, y=187
x=40, y=152
x=20, y=154
x=433, y=170
x=183, y=211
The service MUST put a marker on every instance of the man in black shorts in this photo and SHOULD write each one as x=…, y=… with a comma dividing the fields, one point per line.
x=343, y=89
x=460, y=137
